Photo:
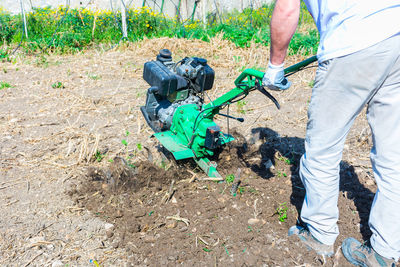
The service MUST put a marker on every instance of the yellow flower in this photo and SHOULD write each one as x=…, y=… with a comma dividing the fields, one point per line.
x=147, y=25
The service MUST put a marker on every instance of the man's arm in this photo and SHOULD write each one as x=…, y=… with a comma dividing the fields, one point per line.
x=283, y=25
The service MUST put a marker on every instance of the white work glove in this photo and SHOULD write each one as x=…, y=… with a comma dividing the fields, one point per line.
x=274, y=78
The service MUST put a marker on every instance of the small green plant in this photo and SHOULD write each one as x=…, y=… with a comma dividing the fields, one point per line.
x=252, y=190
x=163, y=165
x=130, y=164
x=280, y=174
x=42, y=62
x=99, y=156
x=130, y=156
x=240, y=106
x=5, y=85
x=286, y=160
x=281, y=210
x=4, y=55
x=58, y=85
x=237, y=59
x=94, y=76
x=230, y=178
x=311, y=83
x=139, y=146
x=241, y=189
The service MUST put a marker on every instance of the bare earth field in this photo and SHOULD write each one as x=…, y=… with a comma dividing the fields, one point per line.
x=70, y=197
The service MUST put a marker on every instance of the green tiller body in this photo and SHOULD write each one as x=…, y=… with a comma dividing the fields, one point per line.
x=176, y=111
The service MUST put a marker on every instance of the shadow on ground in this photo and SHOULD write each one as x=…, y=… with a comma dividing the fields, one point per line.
x=292, y=148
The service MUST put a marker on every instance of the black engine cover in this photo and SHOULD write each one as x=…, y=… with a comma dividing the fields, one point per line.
x=158, y=76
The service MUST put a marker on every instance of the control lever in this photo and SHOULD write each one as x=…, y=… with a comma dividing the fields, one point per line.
x=231, y=117
x=261, y=88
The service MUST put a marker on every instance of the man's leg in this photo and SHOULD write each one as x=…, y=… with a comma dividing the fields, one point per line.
x=384, y=119
x=343, y=86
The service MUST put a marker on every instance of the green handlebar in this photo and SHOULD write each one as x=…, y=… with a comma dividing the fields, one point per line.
x=247, y=82
x=249, y=73
x=300, y=65
x=259, y=74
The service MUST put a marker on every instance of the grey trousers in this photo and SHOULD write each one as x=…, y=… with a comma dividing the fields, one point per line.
x=343, y=86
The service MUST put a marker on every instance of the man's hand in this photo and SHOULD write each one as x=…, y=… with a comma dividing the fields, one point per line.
x=274, y=78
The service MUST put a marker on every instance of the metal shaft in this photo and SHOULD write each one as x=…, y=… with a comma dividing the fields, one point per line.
x=300, y=65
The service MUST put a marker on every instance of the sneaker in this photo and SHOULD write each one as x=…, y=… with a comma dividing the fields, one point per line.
x=310, y=241
x=363, y=255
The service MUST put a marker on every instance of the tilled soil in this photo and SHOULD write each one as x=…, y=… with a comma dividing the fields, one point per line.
x=82, y=183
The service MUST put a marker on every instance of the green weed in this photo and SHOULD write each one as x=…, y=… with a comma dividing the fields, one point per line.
x=280, y=174
x=240, y=106
x=94, y=76
x=163, y=165
x=282, y=212
x=4, y=55
x=237, y=59
x=124, y=142
x=139, y=146
x=82, y=28
x=5, y=85
x=286, y=160
x=241, y=190
x=252, y=190
x=98, y=156
x=57, y=85
x=230, y=178
x=42, y=62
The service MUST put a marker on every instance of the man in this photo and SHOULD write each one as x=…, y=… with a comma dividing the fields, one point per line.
x=359, y=64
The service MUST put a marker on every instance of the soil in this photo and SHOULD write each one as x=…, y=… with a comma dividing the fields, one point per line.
x=82, y=182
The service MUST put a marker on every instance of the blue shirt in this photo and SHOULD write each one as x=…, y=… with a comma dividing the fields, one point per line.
x=347, y=26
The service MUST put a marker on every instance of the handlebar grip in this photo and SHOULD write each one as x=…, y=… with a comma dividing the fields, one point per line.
x=249, y=72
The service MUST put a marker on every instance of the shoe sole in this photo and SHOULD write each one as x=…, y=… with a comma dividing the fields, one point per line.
x=295, y=230
x=348, y=255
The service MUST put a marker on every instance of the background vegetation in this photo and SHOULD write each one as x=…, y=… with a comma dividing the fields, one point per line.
x=65, y=30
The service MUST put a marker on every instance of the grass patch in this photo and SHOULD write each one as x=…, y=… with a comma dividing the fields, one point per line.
x=67, y=30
